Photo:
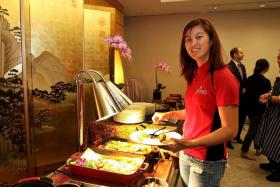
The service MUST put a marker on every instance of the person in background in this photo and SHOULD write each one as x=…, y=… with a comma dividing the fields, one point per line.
x=211, y=107
x=239, y=71
x=268, y=135
x=256, y=85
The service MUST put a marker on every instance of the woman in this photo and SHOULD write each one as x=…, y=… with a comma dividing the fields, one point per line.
x=268, y=136
x=211, y=111
x=256, y=85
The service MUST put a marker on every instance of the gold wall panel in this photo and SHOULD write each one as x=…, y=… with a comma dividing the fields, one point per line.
x=13, y=157
x=96, y=27
x=9, y=44
x=57, y=51
x=60, y=39
x=56, y=27
x=14, y=13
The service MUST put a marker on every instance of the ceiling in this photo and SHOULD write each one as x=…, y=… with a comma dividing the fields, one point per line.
x=155, y=7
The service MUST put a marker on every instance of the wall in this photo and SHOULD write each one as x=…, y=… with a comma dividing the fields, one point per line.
x=52, y=55
x=116, y=10
x=103, y=61
x=157, y=38
x=95, y=49
x=9, y=46
x=13, y=9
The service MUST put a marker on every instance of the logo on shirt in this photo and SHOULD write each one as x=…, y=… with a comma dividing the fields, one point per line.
x=201, y=90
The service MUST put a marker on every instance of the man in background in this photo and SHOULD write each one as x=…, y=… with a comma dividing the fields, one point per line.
x=239, y=71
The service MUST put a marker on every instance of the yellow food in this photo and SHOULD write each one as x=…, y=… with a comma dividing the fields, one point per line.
x=127, y=147
x=116, y=164
x=162, y=138
x=122, y=165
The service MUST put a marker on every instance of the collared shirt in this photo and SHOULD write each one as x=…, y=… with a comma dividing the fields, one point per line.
x=203, y=97
x=238, y=67
x=236, y=63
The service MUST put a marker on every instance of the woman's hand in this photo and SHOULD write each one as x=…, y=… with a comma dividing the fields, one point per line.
x=158, y=117
x=180, y=144
x=264, y=98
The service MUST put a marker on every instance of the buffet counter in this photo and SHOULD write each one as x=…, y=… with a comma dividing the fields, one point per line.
x=160, y=162
x=164, y=169
x=108, y=128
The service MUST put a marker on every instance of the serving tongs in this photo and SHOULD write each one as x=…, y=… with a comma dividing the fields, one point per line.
x=163, y=132
x=154, y=133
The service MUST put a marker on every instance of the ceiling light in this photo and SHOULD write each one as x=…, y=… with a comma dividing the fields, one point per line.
x=263, y=5
x=171, y=1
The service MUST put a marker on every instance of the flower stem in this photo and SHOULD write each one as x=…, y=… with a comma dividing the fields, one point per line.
x=156, y=77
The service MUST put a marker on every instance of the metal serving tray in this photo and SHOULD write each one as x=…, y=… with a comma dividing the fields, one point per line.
x=103, y=174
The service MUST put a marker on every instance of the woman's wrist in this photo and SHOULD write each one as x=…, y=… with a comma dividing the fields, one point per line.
x=274, y=99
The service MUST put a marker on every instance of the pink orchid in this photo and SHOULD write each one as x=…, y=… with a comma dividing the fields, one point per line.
x=118, y=39
x=117, y=42
x=164, y=66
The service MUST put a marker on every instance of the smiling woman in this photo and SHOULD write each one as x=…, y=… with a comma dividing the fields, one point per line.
x=195, y=39
x=210, y=114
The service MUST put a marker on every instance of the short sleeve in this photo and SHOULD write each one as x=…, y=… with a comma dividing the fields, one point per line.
x=226, y=88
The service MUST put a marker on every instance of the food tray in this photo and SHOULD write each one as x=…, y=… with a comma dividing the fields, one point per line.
x=101, y=173
x=124, y=145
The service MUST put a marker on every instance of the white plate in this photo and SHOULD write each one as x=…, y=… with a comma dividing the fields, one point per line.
x=144, y=137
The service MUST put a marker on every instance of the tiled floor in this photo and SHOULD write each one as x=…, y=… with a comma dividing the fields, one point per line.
x=245, y=173
x=242, y=172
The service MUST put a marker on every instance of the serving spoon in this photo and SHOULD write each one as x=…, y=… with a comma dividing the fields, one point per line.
x=154, y=133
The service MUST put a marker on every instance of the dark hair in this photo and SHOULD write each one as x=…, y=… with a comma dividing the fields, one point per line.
x=261, y=65
x=233, y=52
x=188, y=65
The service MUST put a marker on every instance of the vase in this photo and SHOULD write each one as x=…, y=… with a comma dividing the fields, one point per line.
x=116, y=66
x=157, y=95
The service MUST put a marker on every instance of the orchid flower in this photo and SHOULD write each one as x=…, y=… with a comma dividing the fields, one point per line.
x=164, y=66
x=117, y=42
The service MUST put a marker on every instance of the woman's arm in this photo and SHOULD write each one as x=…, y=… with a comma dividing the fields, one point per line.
x=228, y=130
x=274, y=99
x=264, y=97
x=268, y=97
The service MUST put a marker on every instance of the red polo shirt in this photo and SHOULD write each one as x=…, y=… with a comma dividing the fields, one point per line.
x=203, y=97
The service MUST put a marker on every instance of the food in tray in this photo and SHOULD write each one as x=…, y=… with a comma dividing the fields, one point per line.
x=162, y=138
x=149, y=137
x=116, y=164
x=127, y=147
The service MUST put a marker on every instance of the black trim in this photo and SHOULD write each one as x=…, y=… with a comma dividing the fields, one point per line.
x=215, y=152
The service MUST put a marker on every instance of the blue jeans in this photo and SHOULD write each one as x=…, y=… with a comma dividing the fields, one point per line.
x=201, y=173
